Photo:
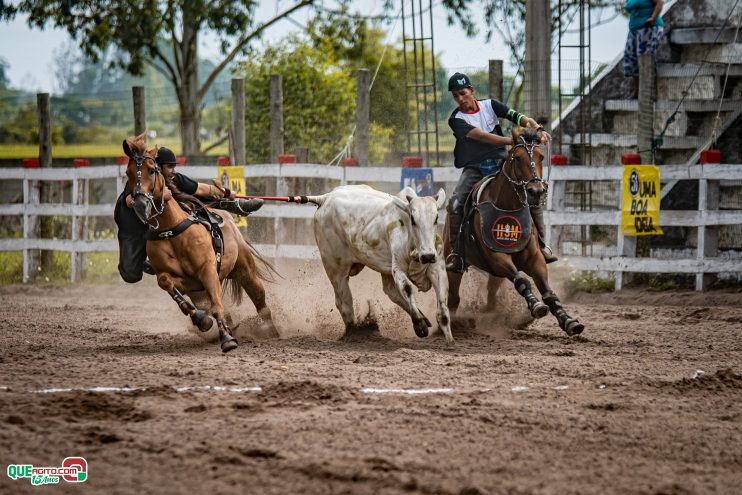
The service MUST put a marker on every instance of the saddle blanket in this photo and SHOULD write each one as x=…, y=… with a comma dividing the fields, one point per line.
x=505, y=231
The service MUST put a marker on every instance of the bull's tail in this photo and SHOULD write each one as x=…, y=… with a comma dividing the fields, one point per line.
x=317, y=200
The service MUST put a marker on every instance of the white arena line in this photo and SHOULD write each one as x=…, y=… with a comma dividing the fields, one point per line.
x=409, y=391
x=218, y=388
x=258, y=389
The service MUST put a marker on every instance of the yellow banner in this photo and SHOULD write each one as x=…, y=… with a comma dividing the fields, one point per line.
x=233, y=178
x=640, y=200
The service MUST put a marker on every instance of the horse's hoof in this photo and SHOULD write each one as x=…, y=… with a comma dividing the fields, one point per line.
x=574, y=327
x=202, y=320
x=421, y=329
x=539, y=310
x=228, y=344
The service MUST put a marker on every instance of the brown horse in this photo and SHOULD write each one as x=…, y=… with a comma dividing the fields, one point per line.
x=183, y=255
x=502, y=204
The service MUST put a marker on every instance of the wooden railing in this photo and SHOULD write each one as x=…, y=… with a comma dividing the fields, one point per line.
x=619, y=259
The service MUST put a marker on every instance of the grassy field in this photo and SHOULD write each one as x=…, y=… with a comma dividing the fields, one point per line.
x=20, y=151
x=101, y=267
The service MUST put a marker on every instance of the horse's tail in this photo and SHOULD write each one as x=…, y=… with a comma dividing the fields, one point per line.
x=317, y=200
x=264, y=269
x=232, y=288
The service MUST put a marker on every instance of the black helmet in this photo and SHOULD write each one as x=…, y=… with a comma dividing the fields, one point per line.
x=458, y=81
x=165, y=156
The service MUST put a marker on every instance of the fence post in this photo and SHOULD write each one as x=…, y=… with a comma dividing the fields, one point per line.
x=495, y=80
x=140, y=121
x=645, y=130
x=31, y=195
x=238, y=121
x=708, y=236
x=44, y=226
x=625, y=246
x=362, y=116
x=275, y=94
x=555, y=202
x=79, y=231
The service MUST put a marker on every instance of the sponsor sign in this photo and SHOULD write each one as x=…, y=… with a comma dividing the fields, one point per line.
x=640, y=200
x=419, y=179
x=233, y=177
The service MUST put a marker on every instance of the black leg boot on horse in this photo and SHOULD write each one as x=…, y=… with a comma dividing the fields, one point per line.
x=537, y=214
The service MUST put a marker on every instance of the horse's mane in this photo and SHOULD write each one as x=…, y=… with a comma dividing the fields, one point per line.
x=530, y=136
x=187, y=201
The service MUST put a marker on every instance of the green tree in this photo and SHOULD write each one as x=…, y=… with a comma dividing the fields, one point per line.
x=318, y=99
x=4, y=66
x=137, y=30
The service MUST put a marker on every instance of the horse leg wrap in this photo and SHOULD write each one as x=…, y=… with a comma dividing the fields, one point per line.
x=185, y=305
x=555, y=306
x=523, y=287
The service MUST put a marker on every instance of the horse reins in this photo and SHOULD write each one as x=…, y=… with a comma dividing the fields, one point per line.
x=522, y=184
x=148, y=195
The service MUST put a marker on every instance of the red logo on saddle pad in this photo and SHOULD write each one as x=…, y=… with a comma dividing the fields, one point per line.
x=507, y=231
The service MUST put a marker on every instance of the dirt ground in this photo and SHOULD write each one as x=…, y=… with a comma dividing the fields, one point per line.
x=510, y=407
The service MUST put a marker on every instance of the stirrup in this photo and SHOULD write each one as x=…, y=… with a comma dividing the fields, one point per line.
x=455, y=263
x=548, y=254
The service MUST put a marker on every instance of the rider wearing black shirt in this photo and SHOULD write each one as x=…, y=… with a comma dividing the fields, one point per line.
x=132, y=244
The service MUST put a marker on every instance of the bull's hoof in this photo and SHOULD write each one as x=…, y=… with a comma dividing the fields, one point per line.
x=421, y=328
x=228, y=343
x=539, y=310
x=202, y=320
x=574, y=327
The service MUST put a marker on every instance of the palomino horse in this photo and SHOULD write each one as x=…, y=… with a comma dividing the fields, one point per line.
x=183, y=255
x=509, y=244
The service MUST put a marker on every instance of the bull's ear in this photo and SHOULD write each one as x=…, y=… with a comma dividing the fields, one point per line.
x=440, y=198
x=127, y=149
x=407, y=191
x=402, y=205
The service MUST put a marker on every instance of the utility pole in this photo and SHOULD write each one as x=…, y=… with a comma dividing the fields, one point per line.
x=537, y=77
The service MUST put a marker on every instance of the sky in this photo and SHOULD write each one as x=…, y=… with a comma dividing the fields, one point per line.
x=30, y=52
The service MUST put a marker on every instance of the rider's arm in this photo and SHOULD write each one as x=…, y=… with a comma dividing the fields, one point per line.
x=485, y=137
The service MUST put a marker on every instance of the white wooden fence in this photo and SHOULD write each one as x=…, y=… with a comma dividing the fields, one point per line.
x=619, y=259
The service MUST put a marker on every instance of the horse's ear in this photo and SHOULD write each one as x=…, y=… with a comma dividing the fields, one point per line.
x=141, y=136
x=127, y=148
x=514, y=134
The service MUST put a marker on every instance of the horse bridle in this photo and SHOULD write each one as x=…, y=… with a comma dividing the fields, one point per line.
x=139, y=159
x=522, y=184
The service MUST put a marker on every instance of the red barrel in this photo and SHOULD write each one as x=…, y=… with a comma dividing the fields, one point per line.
x=31, y=163
x=286, y=158
x=80, y=162
x=181, y=160
x=349, y=162
x=122, y=160
x=710, y=156
x=412, y=162
x=222, y=161
x=558, y=159
x=631, y=159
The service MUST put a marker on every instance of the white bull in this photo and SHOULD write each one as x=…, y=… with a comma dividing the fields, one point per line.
x=357, y=226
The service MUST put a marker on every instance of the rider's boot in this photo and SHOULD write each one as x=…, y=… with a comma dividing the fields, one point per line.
x=455, y=260
x=537, y=213
x=147, y=267
x=241, y=207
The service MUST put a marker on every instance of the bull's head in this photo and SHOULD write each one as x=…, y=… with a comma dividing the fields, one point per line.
x=423, y=221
